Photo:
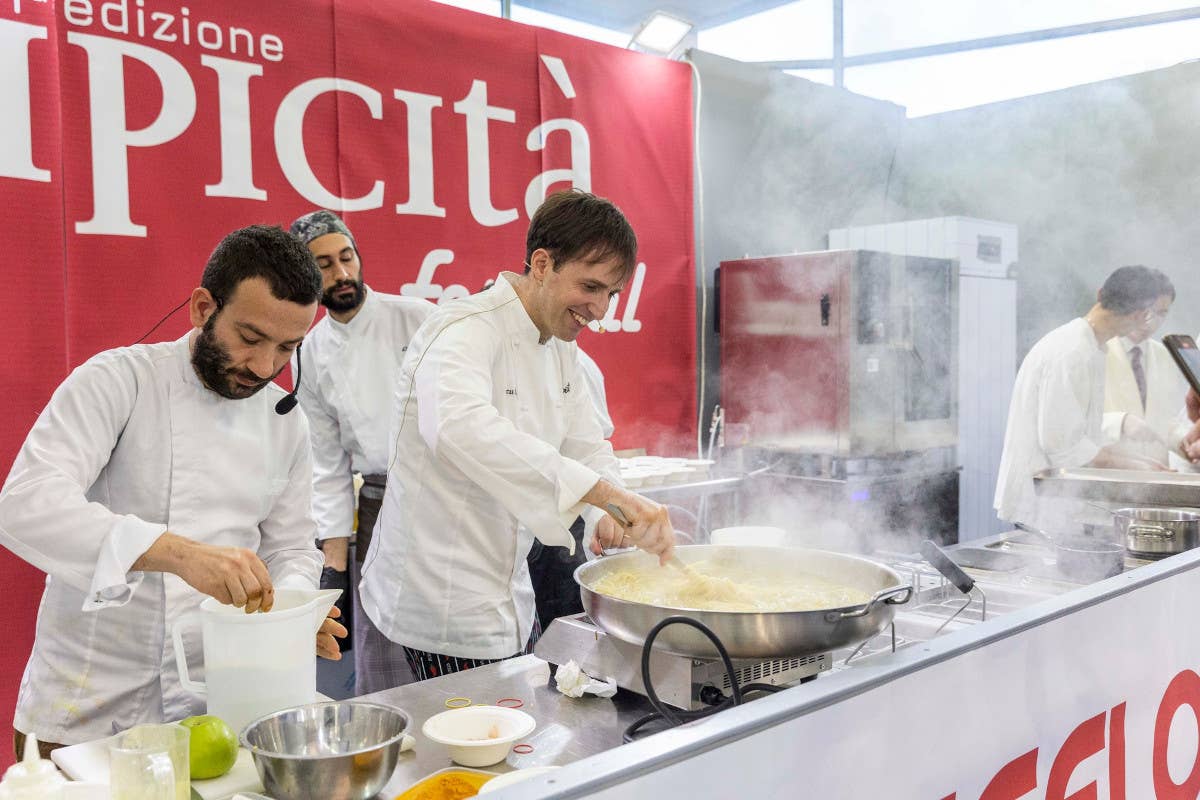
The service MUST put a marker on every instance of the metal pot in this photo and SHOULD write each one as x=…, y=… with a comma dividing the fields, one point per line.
x=1158, y=532
x=750, y=635
x=1083, y=559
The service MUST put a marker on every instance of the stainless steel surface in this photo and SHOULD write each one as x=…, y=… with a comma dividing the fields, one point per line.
x=568, y=729
x=345, y=749
x=1131, y=487
x=1157, y=532
x=1082, y=558
x=678, y=680
x=750, y=635
x=675, y=492
x=588, y=729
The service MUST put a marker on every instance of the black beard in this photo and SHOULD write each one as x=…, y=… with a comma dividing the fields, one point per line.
x=350, y=303
x=211, y=362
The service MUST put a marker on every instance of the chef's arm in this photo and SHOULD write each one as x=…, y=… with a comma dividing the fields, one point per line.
x=650, y=527
x=332, y=477
x=1110, y=458
x=46, y=517
x=457, y=420
x=287, y=532
x=233, y=575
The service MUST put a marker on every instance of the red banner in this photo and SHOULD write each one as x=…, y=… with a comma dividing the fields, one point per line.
x=144, y=131
x=138, y=132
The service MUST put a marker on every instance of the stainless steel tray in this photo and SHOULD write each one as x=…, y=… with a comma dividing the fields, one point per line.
x=1121, y=486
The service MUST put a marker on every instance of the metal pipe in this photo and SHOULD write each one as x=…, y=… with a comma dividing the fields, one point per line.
x=505, y=9
x=839, y=64
x=1160, y=18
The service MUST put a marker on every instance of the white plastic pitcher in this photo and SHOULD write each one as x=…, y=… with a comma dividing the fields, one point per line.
x=255, y=664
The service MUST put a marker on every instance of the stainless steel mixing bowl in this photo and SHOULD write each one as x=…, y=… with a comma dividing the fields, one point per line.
x=345, y=749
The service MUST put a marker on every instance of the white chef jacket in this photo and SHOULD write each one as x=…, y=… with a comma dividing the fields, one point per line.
x=1055, y=420
x=346, y=390
x=589, y=370
x=129, y=446
x=495, y=441
x=1166, y=389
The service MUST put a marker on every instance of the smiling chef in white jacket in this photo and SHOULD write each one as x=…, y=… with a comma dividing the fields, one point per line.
x=157, y=475
x=495, y=440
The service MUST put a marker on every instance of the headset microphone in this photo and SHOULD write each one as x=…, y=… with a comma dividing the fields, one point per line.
x=288, y=401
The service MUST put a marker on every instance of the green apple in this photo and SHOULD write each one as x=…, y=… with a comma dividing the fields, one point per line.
x=212, y=747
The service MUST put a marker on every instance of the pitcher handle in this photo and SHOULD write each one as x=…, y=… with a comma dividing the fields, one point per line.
x=162, y=774
x=195, y=687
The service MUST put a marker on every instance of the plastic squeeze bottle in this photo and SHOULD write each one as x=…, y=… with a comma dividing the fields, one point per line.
x=33, y=777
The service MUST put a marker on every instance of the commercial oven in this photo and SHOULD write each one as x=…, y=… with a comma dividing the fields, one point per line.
x=846, y=352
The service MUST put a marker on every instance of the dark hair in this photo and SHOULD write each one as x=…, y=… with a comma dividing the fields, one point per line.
x=268, y=252
x=573, y=224
x=1134, y=288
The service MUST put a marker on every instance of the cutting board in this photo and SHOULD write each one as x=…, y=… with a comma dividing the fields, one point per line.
x=89, y=762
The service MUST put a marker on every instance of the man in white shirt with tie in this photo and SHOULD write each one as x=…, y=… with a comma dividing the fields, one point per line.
x=350, y=365
x=1142, y=380
x=1057, y=411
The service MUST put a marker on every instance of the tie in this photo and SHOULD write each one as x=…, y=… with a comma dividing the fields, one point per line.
x=1139, y=374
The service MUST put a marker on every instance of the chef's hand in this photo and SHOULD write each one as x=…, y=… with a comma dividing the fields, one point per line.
x=1192, y=402
x=650, y=529
x=608, y=534
x=1136, y=429
x=327, y=646
x=337, y=552
x=233, y=575
x=1189, y=446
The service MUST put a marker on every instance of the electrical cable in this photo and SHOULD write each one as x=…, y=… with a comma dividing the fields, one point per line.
x=164, y=319
x=672, y=716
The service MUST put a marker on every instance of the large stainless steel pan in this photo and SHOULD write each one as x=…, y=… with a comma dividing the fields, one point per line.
x=750, y=635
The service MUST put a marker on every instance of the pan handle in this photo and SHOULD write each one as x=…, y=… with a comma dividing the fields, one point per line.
x=1150, y=531
x=946, y=565
x=893, y=597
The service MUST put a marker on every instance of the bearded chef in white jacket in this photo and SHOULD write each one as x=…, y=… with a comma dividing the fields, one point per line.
x=157, y=475
x=1057, y=410
x=495, y=440
x=1142, y=379
x=351, y=361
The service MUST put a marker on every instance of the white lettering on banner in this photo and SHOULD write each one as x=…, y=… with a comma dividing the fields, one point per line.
x=233, y=89
x=420, y=153
x=16, y=6
x=116, y=16
x=425, y=288
x=629, y=322
x=477, y=112
x=16, y=134
x=111, y=140
x=580, y=172
x=289, y=142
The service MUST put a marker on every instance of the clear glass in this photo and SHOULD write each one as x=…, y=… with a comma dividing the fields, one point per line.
x=572, y=27
x=960, y=80
x=800, y=30
x=873, y=26
x=150, y=762
x=489, y=7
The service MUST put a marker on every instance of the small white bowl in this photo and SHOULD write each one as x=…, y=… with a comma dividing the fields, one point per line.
x=516, y=776
x=633, y=478
x=468, y=732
